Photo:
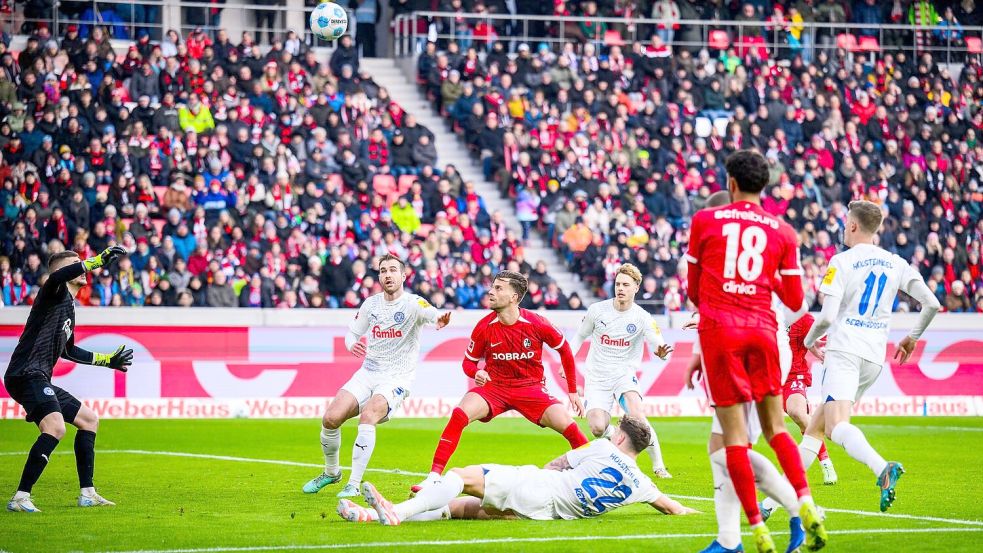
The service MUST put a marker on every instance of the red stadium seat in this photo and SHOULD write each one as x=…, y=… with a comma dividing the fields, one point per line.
x=159, y=192
x=869, y=44
x=159, y=226
x=847, y=42
x=337, y=180
x=719, y=40
x=424, y=231
x=102, y=189
x=974, y=45
x=384, y=185
x=613, y=38
x=405, y=183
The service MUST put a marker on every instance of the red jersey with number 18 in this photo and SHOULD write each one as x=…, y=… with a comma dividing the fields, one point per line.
x=735, y=253
x=513, y=353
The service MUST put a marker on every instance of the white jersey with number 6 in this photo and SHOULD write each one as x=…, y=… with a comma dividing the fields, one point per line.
x=866, y=278
x=393, y=331
x=616, y=340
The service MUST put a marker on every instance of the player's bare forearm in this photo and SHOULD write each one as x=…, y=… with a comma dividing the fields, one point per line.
x=560, y=463
x=668, y=506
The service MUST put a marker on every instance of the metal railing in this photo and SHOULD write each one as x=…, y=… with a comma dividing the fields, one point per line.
x=413, y=30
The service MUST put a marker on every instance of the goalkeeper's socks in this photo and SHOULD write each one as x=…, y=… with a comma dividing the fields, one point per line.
x=37, y=459
x=432, y=497
x=725, y=503
x=574, y=435
x=362, y=452
x=330, y=444
x=85, y=457
x=772, y=483
x=449, y=438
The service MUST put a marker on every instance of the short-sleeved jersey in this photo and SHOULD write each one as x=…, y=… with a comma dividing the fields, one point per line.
x=513, y=353
x=866, y=278
x=602, y=478
x=49, y=327
x=739, y=249
x=393, y=331
x=617, y=339
x=796, y=336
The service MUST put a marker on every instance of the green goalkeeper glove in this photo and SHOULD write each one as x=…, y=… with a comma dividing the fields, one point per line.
x=120, y=360
x=105, y=258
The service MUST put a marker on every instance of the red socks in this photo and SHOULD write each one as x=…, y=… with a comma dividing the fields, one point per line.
x=449, y=438
x=788, y=456
x=742, y=476
x=823, y=454
x=574, y=436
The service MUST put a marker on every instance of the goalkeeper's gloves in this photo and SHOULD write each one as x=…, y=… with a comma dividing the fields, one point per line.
x=105, y=258
x=120, y=360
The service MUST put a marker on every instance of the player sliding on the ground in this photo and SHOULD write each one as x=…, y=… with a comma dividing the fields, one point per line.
x=48, y=335
x=859, y=290
x=510, y=340
x=583, y=483
x=739, y=255
x=618, y=329
x=392, y=321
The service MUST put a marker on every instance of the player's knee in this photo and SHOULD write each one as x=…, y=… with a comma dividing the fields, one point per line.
x=89, y=421
x=56, y=429
x=597, y=429
x=331, y=422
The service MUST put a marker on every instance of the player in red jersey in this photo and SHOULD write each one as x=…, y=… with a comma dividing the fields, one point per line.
x=510, y=340
x=736, y=252
x=799, y=380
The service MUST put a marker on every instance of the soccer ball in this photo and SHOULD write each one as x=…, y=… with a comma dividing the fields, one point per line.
x=329, y=21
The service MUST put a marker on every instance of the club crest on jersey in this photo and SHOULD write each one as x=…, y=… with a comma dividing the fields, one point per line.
x=48, y=391
x=471, y=347
x=631, y=329
x=379, y=332
x=399, y=317
x=526, y=343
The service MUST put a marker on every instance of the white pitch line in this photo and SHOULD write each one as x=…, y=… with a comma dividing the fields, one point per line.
x=868, y=513
x=397, y=471
x=331, y=546
x=920, y=427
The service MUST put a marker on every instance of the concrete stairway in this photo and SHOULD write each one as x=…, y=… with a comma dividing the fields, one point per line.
x=451, y=150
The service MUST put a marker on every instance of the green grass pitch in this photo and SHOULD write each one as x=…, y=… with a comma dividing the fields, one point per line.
x=219, y=499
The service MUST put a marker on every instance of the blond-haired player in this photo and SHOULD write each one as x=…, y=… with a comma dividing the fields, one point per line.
x=617, y=329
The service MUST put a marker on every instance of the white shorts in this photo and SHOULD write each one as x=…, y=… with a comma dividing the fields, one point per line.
x=847, y=376
x=753, y=424
x=605, y=395
x=510, y=488
x=365, y=383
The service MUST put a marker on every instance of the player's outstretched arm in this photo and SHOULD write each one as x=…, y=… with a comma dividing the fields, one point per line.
x=669, y=506
x=585, y=332
x=918, y=290
x=119, y=360
x=560, y=463
x=657, y=343
x=107, y=256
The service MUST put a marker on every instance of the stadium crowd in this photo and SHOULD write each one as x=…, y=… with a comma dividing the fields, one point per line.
x=609, y=148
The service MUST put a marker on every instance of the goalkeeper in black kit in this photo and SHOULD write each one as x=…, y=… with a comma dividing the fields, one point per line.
x=47, y=336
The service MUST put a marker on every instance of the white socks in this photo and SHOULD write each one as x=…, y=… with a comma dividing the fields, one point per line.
x=427, y=516
x=725, y=503
x=809, y=450
x=772, y=483
x=362, y=452
x=855, y=443
x=330, y=444
x=87, y=492
x=433, y=497
x=21, y=495
x=608, y=432
x=654, y=449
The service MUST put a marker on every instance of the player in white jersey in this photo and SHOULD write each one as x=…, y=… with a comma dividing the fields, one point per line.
x=583, y=483
x=618, y=329
x=391, y=321
x=859, y=290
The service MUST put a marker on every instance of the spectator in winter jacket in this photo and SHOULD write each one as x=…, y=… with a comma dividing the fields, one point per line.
x=220, y=293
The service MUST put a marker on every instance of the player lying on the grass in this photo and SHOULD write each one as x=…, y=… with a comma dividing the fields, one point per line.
x=859, y=290
x=48, y=335
x=739, y=257
x=582, y=483
x=618, y=329
x=510, y=340
x=386, y=376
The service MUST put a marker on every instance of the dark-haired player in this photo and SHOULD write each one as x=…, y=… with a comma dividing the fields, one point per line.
x=582, y=483
x=510, y=340
x=391, y=321
x=47, y=336
x=735, y=253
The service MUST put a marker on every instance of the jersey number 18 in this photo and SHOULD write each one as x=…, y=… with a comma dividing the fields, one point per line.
x=744, y=258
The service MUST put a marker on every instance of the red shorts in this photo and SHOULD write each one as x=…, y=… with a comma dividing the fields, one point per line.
x=741, y=364
x=793, y=386
x=530, y=401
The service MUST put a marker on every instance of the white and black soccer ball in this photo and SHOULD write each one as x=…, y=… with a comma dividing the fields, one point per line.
x=329, y=21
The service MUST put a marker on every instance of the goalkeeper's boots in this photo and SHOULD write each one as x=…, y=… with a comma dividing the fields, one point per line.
x=320, y=481
x=762, y=539
x=350, y=490
x=812, y=521
x=93, y=499
x=382, y=506
x=715, y=547
x=796, y=535
x=22, y=505
x=887, y=481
